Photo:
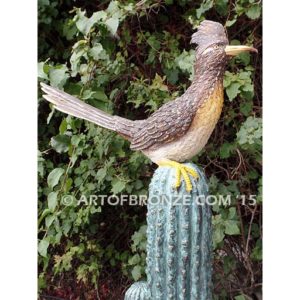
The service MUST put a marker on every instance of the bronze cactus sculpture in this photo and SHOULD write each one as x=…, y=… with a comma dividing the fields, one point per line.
x=179, y=234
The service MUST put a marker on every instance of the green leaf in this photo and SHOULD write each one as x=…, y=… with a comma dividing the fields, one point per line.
x=112, y=25
x=250, y=132
x=205, y=6
x=232, y=212
x=153, y=42
x=240, y=297
x=101, y=173
x=230, y=22
x=257, y=251
x=43, y=247
x=54, y=176
x=246, y=108
x=52, y=201
x=245, y=58
x=218, y=235
x=82, y=22
x=60, y=143
x=118, y=186
x=158, y=84
x=248, y=87
x=233, y=90
x=58, y=76
x=185, y=61
x=100, y=95
x=97, y=52
x=134, y=260
x=172, y=75
x=49, y=220
x=113, y=8
x=136, y=273
x=221, y=7
x=85, y=24
x=254, y=11
x=139, y=239
x=228, y=79
x=63, y=126
x=225, y=150
x=41, y=71
x=44, y=2
x=79, y=51
x=231, y=227
x=42, y=281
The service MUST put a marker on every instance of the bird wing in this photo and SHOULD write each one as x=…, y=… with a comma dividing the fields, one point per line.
x=77, y=108
x=168, y=123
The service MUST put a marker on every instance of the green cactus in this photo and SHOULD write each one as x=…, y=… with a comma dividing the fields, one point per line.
x=179, y=238
x=179, y=241
x=138, y=291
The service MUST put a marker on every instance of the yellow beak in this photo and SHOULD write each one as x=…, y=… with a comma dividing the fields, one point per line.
x=237, y=49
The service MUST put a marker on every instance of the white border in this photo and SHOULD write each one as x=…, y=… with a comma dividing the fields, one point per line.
x=18, y=53
x=281, y=108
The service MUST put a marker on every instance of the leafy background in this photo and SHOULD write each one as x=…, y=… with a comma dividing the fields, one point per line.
x=128, y=58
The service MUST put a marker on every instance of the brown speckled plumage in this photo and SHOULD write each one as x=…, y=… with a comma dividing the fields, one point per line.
x=174, y=118
x=186, y=121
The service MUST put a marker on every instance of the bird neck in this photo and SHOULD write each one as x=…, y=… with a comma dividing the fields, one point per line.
x=209, y=68
x=208, y=77
x=208, y=73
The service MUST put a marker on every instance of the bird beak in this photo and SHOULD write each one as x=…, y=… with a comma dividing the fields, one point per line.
x=237, y=49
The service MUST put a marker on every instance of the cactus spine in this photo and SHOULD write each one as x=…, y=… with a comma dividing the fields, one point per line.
x=179, y=243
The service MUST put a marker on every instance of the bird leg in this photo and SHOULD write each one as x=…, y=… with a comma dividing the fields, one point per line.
x=181, y=170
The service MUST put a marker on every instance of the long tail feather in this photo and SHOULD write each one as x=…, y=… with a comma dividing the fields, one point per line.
x=77, y=108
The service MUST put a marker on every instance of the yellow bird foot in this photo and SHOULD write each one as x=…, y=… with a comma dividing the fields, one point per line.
x=181, y=170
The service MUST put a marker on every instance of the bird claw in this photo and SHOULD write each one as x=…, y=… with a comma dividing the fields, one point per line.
x=181, y=170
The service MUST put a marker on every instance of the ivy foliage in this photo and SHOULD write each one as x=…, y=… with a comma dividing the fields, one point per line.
x=128, y=58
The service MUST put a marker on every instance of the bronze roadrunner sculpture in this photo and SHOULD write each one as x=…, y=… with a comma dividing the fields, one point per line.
x=180, y=128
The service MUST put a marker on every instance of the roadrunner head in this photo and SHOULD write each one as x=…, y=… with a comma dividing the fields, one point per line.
x=209, y=34
x=212, y=36
x=213, y=49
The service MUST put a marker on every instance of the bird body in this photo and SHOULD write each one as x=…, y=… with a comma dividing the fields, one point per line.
x=180, y=128
x=191, y=143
